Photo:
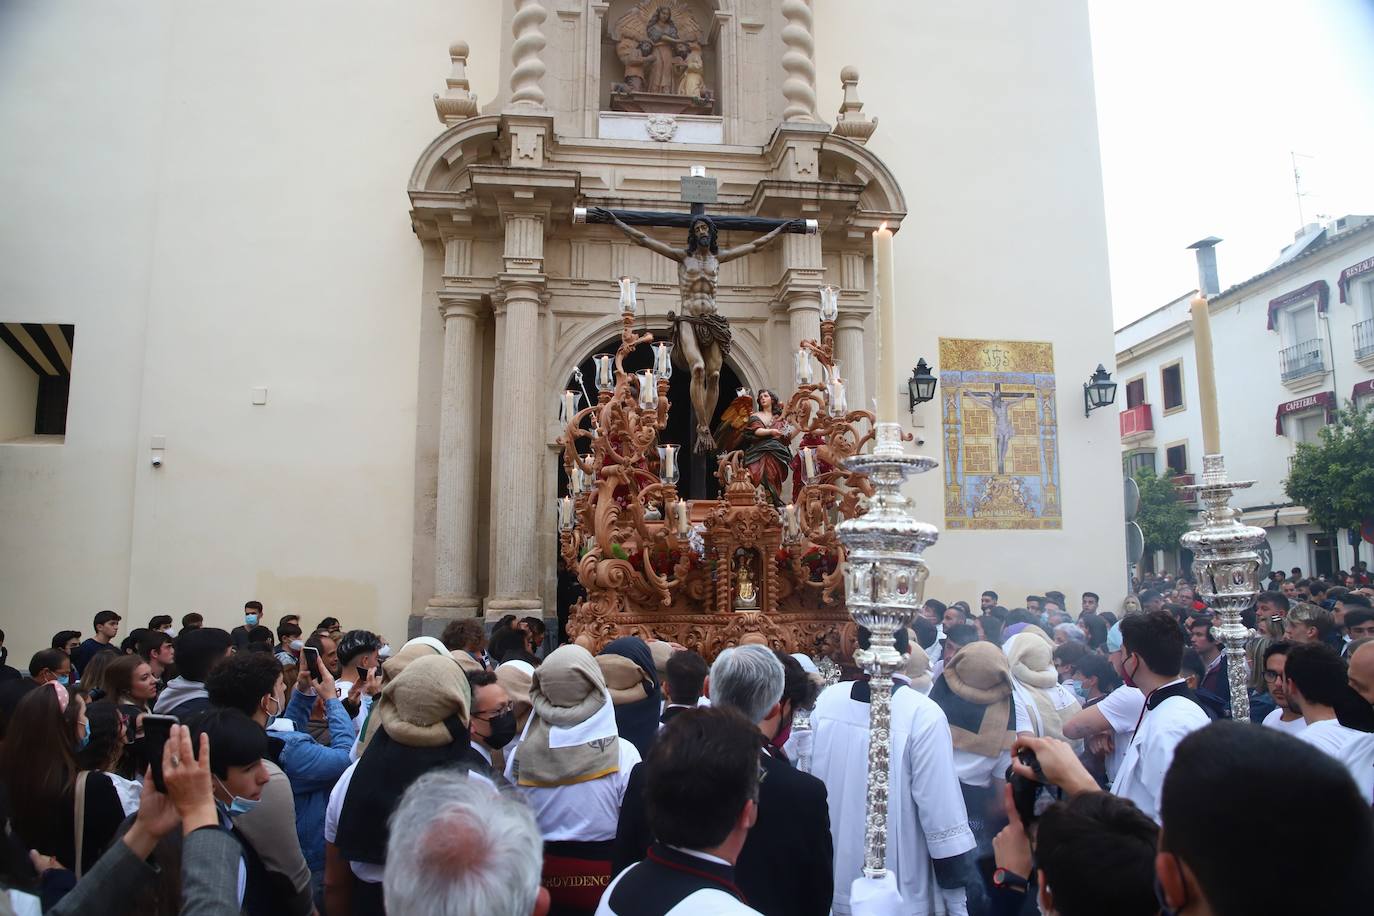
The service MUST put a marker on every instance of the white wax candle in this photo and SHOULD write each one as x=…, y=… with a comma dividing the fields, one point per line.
x=569, y=407
x=1206, y=376
x=682, y=524
x=565, y=512
x=627, y=295
x=803, y=363
x=839, y=405
x=809, y=462
x=883, y=270
x=790, y=519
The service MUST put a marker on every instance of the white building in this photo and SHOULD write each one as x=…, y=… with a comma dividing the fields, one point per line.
x=1291, y=344
x=250, y=218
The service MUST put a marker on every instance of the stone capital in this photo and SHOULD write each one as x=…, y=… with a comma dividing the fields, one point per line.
x=466, y=305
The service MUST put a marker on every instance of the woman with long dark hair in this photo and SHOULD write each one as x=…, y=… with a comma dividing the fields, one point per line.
x=46, y=787
x=108, y=751
x=766, y=453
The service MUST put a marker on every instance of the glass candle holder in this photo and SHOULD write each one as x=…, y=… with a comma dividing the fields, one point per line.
x=648, y=390
x=805, y=372
x=808, y=455
x=605, y=371
x=684, y=526
x=581, y=481
x=567, y=406
x=839, y=404
x=663, y=360
x=668, y=470
x=830, y=303
x=567, y=515
x=628, y=287
x=791, y=529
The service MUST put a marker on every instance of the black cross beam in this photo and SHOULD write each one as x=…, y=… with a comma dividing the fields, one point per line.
x=594, y=215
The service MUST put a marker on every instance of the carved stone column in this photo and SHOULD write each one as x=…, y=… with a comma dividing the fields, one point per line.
x=798, y=62
x=803, y=276
x=455, y=517
x=849, y=350
x=517, y=493
x=526, y=78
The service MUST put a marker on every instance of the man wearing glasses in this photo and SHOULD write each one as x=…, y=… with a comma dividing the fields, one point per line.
x=492, y=725
x=1282, y=716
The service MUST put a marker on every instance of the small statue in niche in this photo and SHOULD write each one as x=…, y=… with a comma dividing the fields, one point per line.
x=662, y=32
x=638, y=57
x=693, y=81
x=746, y=595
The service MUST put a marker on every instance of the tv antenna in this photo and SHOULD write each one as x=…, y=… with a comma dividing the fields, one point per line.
x=1297, y=183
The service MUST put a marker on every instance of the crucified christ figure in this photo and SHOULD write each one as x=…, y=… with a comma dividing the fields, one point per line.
x=1000, y=404
x=703, y=349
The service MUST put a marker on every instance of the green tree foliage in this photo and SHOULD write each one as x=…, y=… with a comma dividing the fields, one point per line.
x=1334, y=478
x=1162, y=518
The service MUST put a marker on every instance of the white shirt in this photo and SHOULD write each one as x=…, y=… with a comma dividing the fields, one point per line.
x=1275, y=720
x=1353, y=748
x=1121, y=708
x=926, y=818
x=979, y=771
x=584, y=811
x=1141, y=778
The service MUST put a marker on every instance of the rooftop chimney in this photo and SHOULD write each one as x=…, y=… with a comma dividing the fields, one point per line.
x=1207, y=265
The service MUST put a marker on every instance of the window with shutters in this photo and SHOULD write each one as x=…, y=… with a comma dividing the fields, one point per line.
x=1171, y=386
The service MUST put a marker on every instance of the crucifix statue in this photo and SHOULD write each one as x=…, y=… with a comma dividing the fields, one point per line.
x=1000, y=404
x=704, y=346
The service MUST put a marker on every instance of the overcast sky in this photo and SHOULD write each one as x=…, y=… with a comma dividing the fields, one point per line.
x=1199, y=104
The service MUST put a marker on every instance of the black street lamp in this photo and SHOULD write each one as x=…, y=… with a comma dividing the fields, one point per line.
x=1098, y=391
x=921, y=385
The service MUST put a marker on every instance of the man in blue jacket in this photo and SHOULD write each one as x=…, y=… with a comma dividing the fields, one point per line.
x=253, y=682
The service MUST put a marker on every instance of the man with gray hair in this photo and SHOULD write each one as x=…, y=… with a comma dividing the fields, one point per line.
x=458, y=847
x=785, y=867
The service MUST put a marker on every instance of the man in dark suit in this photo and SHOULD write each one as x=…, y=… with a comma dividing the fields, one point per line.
x=683, y=678
x=785, y=867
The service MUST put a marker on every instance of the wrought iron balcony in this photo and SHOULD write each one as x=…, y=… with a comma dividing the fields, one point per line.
x=1364, y=338
x=1302, y=360
x=1137, y=423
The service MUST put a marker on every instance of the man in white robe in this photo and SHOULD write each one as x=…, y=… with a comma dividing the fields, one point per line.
x=927, y=822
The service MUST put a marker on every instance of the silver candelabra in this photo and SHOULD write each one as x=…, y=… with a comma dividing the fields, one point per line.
x=885, y=578
x=1226, y=566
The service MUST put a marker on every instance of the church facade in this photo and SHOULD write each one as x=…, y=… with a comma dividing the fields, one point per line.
x=340, y=310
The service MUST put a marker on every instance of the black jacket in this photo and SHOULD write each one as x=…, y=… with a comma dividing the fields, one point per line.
x=786, y=867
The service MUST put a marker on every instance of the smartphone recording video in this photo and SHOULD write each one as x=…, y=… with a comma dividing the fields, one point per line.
x=156, y=731
x=312, y=662
x=1032, y=797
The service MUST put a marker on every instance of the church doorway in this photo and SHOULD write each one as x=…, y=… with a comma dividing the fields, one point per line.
x=698, y=471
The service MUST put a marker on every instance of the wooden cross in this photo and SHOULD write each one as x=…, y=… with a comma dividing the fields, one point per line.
x=697, y=190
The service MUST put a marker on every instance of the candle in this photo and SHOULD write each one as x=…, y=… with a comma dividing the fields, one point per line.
x=566, y=515
x=1206, y=376
x=667, y=464
x=805, y=375
x=579, y=481
x=809, y=462
x=789, y=517
x=627, y=295
x=830, y=303
x=682, y=525
x=605, y=371
x=887, y=325
x=648, y=390
x=839, y=405
x=567, y=406
x=663, y=360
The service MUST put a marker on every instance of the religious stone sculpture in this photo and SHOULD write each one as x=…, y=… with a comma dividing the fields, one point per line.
x=707, y=344
x=659, y=42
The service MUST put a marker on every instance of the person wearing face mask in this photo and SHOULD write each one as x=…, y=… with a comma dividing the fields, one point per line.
x=45, y=784
x=493, y=716
x=1152, y=652
x=298, y=792
x=238, y=748
x=289, y=643
x=1108, y=725
x=51, y=665
x=252, y=615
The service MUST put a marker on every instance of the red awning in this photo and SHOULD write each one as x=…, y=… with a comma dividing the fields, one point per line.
x=1350, y=273
x=1326, y=399
x=1362, y=388
x=1321, y=289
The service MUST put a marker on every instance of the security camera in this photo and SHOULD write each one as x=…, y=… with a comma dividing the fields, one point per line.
x=157, y=461
x=920, y=440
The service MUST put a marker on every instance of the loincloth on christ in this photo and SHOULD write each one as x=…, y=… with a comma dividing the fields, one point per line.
x=710, y=330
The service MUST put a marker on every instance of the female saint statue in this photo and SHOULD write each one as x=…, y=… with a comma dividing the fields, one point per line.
x=663, y=34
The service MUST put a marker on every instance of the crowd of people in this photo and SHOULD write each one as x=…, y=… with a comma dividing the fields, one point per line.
x=1043, y=759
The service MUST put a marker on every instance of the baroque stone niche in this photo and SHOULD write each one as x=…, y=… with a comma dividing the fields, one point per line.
x=660, y=58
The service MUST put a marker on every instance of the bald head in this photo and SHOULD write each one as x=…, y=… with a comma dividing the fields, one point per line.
x=1361, y=670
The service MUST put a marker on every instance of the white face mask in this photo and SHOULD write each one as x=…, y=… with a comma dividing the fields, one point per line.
x=172, y=632
x=297, y=645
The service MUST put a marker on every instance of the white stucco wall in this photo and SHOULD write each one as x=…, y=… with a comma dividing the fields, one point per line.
x=988, y=119
x=18, y=396
x=215, y=196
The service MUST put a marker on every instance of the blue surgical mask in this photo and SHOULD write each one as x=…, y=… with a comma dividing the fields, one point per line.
x=272, y=716
x=86, y=738
x=63, y=679
x=236, y=807
x=250, y=620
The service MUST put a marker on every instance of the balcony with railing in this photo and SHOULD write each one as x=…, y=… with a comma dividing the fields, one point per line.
x=1364, y=339
x=1302, y=362
x=1137, y=423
